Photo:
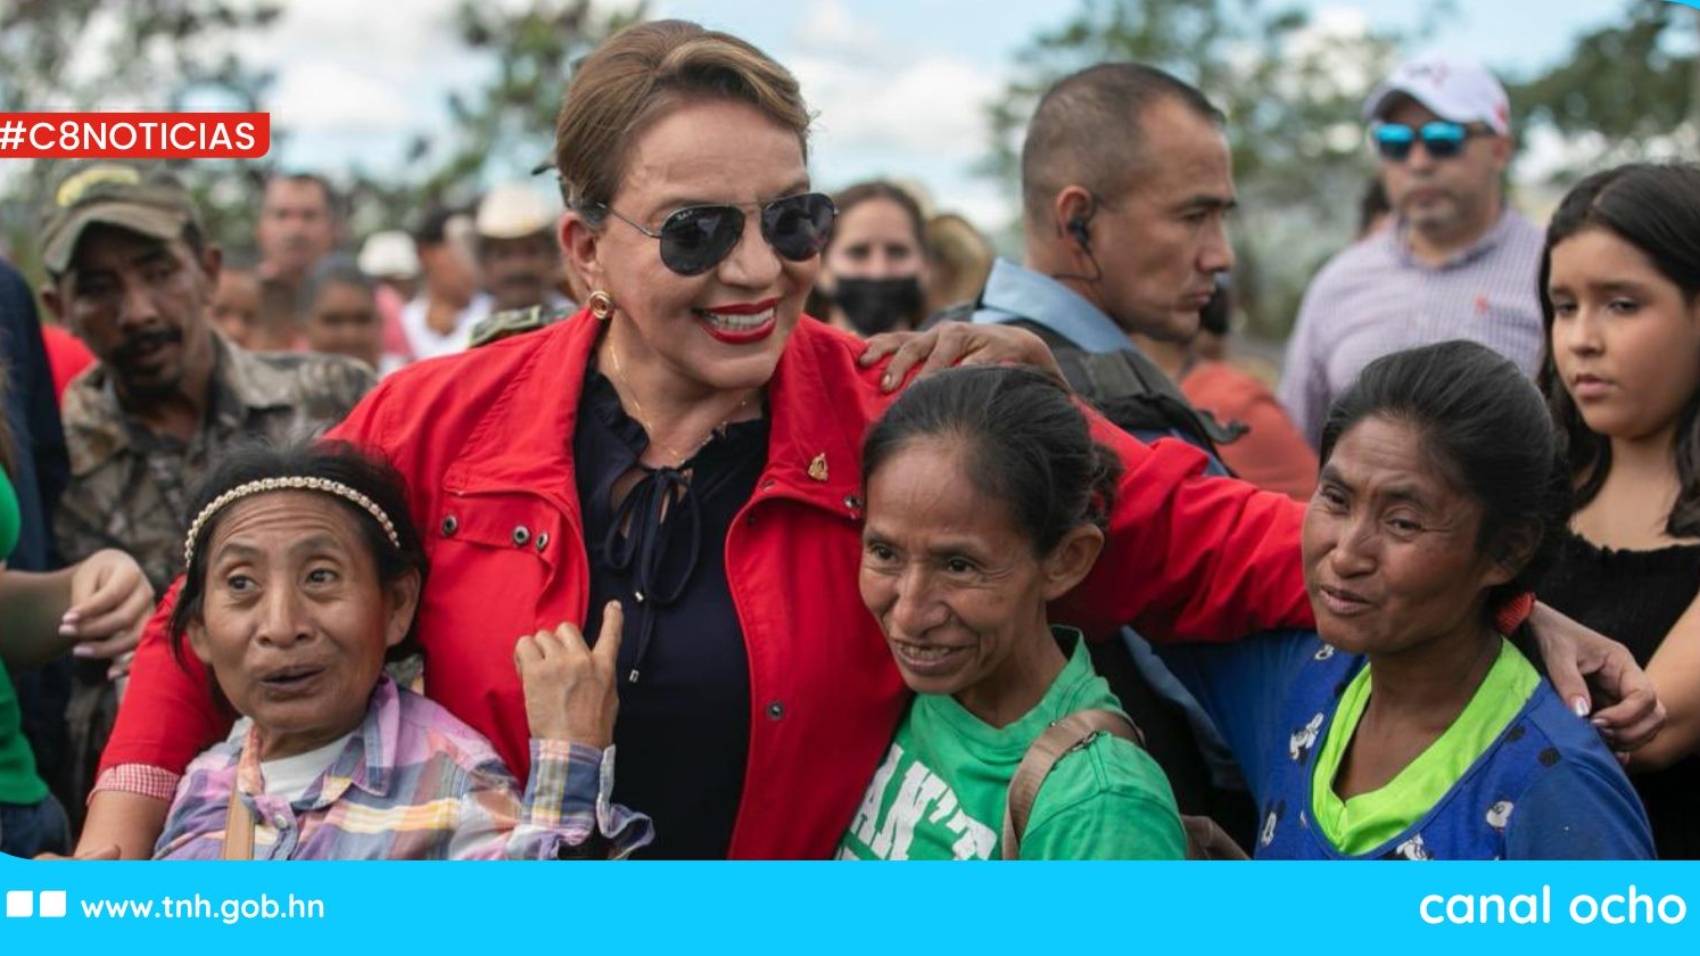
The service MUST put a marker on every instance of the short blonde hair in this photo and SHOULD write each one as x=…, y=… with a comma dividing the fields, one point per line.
x=639, y=75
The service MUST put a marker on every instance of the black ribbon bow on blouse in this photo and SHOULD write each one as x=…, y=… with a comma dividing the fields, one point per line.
x=656, y=540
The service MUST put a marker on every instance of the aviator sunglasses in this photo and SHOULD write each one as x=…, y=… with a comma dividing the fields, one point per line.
x=696, y=238
x=1442, y=139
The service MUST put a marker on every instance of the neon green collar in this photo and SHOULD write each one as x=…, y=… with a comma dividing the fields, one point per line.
x=1368, y=820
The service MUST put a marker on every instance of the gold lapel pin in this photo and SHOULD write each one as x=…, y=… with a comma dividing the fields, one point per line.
x=817, y=467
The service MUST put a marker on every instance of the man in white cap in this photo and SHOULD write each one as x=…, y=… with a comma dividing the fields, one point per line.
x=1457, y=264
x=517, y=254
x=391, y=258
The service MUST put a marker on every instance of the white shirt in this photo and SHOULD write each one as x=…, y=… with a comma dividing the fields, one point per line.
x=427, y=342
x=289, y=777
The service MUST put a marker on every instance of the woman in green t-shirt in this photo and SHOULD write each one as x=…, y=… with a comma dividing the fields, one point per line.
x=100, y=604
x=986, y=500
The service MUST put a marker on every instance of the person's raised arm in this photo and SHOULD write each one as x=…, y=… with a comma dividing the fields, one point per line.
x=96, y=607
x=1675, y=674
x=567, y=811
x=122, y=826
x=1189, y=556
x=956, y=343
x=1574, y=655
x=33, y=604
x=167, y=716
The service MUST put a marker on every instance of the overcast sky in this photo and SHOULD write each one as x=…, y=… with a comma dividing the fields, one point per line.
x=899, y=85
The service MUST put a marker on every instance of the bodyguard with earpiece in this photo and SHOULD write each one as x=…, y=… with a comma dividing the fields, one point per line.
x=1126, y=185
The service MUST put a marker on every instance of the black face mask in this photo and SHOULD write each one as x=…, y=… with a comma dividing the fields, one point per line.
x=876, y=305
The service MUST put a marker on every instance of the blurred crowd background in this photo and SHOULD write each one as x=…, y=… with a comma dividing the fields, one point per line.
x=1593, y=82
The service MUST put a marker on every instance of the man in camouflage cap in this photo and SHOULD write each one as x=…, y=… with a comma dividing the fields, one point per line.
x=131, y=274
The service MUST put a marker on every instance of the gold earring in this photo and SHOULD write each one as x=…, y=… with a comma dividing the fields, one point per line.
x=601, y=305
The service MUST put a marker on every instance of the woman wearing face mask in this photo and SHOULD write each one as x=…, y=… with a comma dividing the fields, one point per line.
x=870, y=280
x=1620, y=291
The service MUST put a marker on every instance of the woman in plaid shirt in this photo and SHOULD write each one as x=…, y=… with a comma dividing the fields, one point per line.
x=304, y=573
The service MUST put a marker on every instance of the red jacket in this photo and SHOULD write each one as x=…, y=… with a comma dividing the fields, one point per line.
x=1272, y=454
x=66, y=354
x=484, y=441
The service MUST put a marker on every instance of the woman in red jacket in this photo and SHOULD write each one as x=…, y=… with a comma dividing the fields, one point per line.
x=689, y=445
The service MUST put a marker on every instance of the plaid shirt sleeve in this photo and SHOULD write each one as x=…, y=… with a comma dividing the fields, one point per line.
x=566, y=812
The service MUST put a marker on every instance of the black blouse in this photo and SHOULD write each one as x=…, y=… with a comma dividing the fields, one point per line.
x=683, y=732
x=1635, y=597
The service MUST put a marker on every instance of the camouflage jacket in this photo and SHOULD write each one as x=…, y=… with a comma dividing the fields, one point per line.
x=510, y=322
x=130, y=488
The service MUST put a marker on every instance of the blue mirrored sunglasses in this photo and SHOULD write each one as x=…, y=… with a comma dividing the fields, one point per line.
x=1442, y=139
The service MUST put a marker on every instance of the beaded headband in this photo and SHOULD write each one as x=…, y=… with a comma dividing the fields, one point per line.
x=286, y=484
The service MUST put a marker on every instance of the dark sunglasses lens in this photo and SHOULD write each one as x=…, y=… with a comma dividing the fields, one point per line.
x=798, y=227
x=1394, y=142
x=695, y=239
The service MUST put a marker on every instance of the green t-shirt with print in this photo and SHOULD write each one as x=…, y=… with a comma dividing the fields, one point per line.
x=940, y=792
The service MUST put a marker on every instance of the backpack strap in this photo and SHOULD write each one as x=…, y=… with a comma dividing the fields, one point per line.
x=1134, y=393
x=1205, y=839
x=955, y=312
x=238, y=827
x=1124, y=384
x=1065, y=736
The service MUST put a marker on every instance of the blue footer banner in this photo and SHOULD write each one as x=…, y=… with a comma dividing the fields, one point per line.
x=835, y=907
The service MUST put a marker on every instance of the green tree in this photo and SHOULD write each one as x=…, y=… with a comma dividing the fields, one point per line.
x=167, y=54
x=154, y=49
x=151, y=54
x=534, y=51
x=1624, y=92
x=507, y=126
x=1291, y=93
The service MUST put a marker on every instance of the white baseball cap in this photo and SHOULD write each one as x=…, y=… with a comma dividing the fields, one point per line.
x=389, y=255
x=1459, y=90
x=513, y=211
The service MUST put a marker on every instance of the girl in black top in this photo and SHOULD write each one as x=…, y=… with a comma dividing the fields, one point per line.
x=1620, y=292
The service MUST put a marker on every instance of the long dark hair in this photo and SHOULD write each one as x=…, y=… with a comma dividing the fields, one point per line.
x=1484, y=427
x=1656, y=209
x=1028, y=446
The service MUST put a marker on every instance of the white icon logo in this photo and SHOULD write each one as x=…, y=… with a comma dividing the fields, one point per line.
x=20, y=904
